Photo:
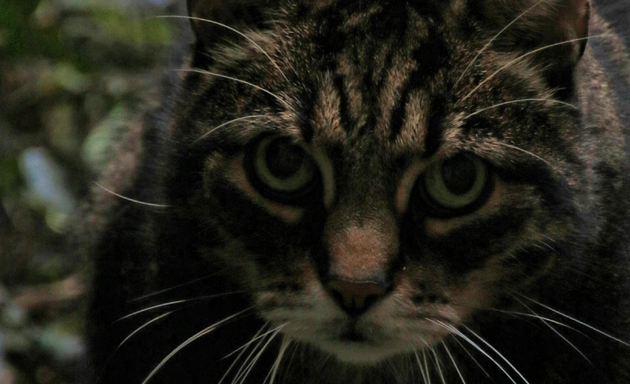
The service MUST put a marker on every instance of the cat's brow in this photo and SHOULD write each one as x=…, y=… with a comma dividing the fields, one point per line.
x=521, y=58
x=230, y=29
x=474, y=60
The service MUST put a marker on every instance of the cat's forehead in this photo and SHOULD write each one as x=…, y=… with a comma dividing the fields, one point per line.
x=377, y=70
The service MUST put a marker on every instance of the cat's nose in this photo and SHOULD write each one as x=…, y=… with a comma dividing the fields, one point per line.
x=355, y=297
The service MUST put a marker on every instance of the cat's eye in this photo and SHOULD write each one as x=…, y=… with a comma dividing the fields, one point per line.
x=456, y=186
x=282, y=170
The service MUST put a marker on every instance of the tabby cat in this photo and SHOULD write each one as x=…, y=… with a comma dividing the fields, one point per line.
x=374, y=192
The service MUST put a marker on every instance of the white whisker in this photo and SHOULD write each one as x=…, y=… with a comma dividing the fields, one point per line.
x=196, y=336
x=152, y=308
x=274, y=369
x=477, y=347
x=424, y=375
x=140, y=328
x=553, y=329
x=524, y=151
x=438, y=365
x=426, y=366
x=230, y=29
x=497, y=352
x=251, y=117
x=454, y=363
x=208, y=73
x=175, y=302
x=472, y=357
x=242, y=349
x=130, y=199
x=245, y=362
x=576, y=320
x=172, y=288
x=493, y=39
x=521, y=57
x=256, y=337
x=519, y=101
x=257, y=357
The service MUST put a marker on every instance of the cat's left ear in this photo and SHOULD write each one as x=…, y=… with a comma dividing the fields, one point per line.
x=564, y=32
x=573, y=18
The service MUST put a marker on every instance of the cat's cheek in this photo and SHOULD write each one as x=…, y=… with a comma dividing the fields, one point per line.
x=235, y=173
x=436, y=227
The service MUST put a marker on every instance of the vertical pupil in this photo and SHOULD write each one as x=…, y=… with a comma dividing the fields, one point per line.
x=283, y=159
x=459, y=174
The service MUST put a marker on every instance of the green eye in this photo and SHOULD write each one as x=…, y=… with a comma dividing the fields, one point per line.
x=281, y=169
x=456, y=186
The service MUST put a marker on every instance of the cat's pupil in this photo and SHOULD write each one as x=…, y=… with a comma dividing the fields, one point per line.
x=283, y=159
x=459, y=174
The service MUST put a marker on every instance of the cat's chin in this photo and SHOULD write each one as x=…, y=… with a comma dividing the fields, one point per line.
x=361, y=353
x=355, y=350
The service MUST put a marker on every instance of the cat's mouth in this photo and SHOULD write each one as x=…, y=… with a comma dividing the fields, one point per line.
x=351, y=335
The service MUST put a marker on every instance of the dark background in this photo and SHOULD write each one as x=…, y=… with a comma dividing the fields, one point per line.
x=72, y=74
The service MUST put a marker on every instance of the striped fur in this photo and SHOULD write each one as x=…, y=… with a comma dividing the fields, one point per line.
x=376, y=92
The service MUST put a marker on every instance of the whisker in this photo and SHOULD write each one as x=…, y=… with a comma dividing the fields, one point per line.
x=274, y=369
x=524, y=151
x=497, y=352
x=175, y=302
x=140, y=328
x=438, y=365
x=228, y=123
x=576, y=320
x=519, y=101
x=288, y=364
x=230, y=29
x=493, y=39
x=172, y=288
x=424, y=376
x=473, y=358
x=426, y=366
x=208, y=73
x=255, y=359
x=553, y=329
x=245, y=362
x=170, y=303
x=130, y=199
x=131, y=335
x=454, y=363
x=522, y=314
x=477, y=347
x=196, y=336
x=243, y=349
x=523, y=56
x=256, y=337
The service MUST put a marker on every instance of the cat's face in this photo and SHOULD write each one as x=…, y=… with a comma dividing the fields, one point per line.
x=376, y=177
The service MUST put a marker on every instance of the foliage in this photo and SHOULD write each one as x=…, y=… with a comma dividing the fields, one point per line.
x=71, y=73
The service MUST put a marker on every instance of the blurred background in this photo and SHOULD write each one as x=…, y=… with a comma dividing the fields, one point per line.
x=72, y=74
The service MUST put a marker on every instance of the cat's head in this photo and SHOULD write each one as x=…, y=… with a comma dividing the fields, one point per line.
x=376, y=173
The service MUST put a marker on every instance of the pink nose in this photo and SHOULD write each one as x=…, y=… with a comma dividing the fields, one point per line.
x=355, y=297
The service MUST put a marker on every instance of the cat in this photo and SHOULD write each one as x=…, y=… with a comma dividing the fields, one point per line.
x=373, y=191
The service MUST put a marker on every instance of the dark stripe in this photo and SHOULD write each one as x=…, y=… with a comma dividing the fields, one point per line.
x=308, y=100
x=471, y=251
x=431, y=57
x=347, y=122
x=435, y=128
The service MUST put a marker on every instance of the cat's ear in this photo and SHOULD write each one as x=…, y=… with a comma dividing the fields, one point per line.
x=209, y=18
x=569, y=23
x=556, y=32
x=565, y=34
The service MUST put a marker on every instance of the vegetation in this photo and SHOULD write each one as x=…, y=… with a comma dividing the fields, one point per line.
x=72, y=73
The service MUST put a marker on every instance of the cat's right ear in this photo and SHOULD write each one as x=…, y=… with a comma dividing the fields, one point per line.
x=209, y=18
